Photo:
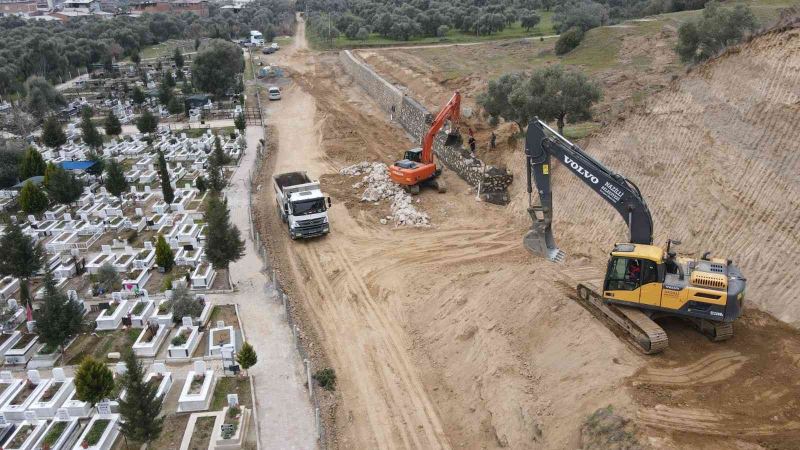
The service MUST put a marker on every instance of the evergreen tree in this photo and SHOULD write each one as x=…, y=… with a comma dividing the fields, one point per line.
x=20, y=257
x=164, y=256
x=177, y=56
x=115, y=181
x=48, y=172
x=247, y=357
x=219, y=157
x=216, y=179
x=112, y=125
x=32, y=199
x=89, y=133
x=99, y=163
x=163, y=171
x=147, y=122
x=169, y=79
x=108, y=278
x=165, y=91
x=223, y=239
x=239, y=121
x=62, y=186
x=175, y=106
x=59, y=318
x=138, y=96
x=94, y=382
x=141, y=407
x=200, y=184
x=53, y=135
x=32, y=164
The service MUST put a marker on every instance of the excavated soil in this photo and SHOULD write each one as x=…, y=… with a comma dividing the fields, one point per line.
x=453, y=336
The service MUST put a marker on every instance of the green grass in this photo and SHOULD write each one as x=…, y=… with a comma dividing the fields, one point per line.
x=231, y=385
x=283, y=41
x=94, y=434
x=166, y=48
x=579, y=130
x=197, y=132
x=515, y=31
x=598, y=50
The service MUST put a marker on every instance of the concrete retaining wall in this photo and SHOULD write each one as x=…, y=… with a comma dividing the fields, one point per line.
x=416, y=119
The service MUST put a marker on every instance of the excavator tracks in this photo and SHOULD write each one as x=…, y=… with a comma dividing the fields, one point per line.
x=716, y=331
x=647, y=334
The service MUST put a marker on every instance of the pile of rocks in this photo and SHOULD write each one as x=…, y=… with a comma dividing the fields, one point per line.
x=378, y=186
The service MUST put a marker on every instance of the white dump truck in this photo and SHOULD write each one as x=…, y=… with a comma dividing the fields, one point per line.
x=301, y=205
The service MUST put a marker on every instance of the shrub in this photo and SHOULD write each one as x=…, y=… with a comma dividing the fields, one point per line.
x=718, y=28
x=326, y=378
x=568, y=41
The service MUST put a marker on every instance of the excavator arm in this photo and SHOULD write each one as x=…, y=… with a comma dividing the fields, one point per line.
x=451, y=111
x=542, y=143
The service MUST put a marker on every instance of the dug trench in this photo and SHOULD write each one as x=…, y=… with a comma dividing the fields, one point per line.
x=453, y=336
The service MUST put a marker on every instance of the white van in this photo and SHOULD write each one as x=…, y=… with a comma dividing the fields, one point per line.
x=274, y=93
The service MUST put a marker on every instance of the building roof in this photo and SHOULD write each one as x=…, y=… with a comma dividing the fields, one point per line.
x=77, y=165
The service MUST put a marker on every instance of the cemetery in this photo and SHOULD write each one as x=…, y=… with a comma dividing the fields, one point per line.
x=102, y=253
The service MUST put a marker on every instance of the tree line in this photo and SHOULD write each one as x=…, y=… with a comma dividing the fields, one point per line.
x=427, y=18
x=57, y=50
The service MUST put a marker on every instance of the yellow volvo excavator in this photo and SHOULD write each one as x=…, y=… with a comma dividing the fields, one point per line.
x=642, y=281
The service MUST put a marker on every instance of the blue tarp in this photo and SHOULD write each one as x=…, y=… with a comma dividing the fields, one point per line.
x=77, y=165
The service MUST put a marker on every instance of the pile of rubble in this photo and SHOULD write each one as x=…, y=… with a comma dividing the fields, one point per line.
x=378, y=186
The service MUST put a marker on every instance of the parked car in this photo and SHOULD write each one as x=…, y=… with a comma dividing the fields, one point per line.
x=274, y=93
x=267, y=50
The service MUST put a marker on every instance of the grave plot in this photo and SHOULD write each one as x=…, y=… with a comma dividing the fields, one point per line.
x=99, y=345
x=100, y=433
x=197, y=389
x=223, y=332
x=140, y=312
x=8, y=340
x=161, y=378
x=22, y=350
x=150, y=340
x=184, y=342
x=9, y=386
x=111, y=317
x=24, y=396
x=56, y=392
x=60, y=434
x=26, y=435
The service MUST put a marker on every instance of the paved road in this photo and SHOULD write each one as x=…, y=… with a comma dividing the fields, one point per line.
x=286, y=417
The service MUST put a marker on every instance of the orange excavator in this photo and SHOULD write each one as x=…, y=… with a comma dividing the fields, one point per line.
x=417, y=167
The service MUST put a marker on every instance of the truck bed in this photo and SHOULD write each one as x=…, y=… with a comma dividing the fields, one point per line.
x=291, y=179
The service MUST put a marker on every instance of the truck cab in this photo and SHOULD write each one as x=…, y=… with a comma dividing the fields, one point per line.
x=301, y=205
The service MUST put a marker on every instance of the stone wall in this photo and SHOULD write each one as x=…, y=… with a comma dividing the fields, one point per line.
x=492, y=181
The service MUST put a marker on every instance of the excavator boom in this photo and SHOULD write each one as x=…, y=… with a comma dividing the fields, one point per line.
x=542, y=142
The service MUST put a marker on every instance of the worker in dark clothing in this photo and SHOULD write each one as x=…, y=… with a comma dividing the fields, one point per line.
x=472, y=146
x=471, y=135
x=493, y=141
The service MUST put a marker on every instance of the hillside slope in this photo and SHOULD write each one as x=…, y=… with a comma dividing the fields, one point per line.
x=717, y=156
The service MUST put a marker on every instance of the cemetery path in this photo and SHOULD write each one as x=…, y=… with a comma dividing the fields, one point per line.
x=285, y=415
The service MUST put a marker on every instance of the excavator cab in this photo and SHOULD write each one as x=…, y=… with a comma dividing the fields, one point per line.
x=415, y=154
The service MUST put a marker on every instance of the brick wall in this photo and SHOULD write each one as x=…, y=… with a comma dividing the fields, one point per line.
x=415, y=119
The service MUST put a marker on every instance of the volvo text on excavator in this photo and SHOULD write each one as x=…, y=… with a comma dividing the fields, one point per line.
x=417, y=166
x=642, y=282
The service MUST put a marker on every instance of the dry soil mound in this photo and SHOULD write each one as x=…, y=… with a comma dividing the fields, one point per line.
x=717, y=156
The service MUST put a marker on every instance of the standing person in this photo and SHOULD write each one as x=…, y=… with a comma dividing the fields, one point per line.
x=472, y=145
x=391, y=114
x=493, y=141
x=471, y=135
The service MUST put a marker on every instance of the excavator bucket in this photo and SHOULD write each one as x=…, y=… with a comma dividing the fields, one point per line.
x=539, y=241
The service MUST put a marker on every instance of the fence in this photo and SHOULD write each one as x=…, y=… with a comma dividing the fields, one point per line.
x=280, y=294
